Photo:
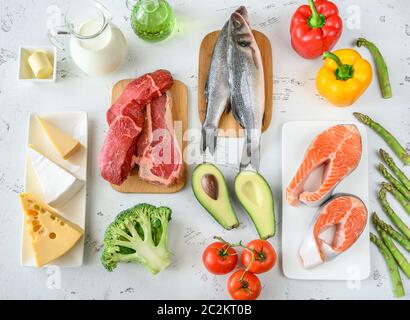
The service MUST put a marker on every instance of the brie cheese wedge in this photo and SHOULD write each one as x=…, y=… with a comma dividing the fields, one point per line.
x=58, y=185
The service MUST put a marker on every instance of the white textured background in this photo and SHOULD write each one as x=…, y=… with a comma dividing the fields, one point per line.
x=23, y=22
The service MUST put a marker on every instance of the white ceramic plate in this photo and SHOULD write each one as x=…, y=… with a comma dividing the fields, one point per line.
x=74, y=123
x=353, y=264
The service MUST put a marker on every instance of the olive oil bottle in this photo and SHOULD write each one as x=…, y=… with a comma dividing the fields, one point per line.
x=152, y=20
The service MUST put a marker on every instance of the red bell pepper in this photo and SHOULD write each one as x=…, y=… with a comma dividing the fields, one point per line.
x=315, y=28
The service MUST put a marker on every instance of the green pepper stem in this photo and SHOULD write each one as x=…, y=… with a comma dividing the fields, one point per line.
x=334, y=57
x=343, y=71
x=316, y=20
x=382, y=70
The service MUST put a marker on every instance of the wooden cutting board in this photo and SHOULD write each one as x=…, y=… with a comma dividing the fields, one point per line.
x=205, y=55
x=180, y=113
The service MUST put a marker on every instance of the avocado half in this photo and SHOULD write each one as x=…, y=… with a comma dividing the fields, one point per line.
x=209, y=186
x=255, y=196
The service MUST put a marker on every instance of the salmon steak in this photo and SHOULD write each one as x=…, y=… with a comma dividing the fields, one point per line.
x=346, y=216
x=338, y=149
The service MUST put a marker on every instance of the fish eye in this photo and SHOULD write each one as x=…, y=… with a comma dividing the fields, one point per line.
x=244, y=43
x=237, y=24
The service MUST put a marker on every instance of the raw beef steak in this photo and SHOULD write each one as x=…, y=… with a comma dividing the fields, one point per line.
x=126, y=120
x=115, y=157
x=159, y=155
x=140, y=92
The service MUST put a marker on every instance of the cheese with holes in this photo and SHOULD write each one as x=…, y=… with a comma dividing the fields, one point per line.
x=51, y=235
x=57, y=184
x=65, y=144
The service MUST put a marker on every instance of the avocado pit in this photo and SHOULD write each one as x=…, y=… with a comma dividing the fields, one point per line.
x=210, y=185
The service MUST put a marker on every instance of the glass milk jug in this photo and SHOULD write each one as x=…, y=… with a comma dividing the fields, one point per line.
x=97, y=46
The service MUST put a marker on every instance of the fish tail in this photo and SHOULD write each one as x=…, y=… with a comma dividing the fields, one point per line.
x=208, y=139
x=245, y=160
x=251, y=151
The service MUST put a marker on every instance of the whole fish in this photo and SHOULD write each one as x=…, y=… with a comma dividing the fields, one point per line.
x=216, y=92
x=246, y=82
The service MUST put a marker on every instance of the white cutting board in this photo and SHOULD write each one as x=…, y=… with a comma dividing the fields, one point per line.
x=74, y=123
x=353, y=264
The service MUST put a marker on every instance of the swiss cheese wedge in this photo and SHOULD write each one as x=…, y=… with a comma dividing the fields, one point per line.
x=51, y=235
x=65, y=144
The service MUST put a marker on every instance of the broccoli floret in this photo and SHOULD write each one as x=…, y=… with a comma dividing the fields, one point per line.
x=138, y=235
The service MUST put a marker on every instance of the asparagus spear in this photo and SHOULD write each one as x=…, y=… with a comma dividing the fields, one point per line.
x=391, y=232
x=397, y=255
x=395, y=145
x=397, y=184
x=398, y=289
x=396, y=170
x=399, y=197
x=392, y=215
x=382, y=71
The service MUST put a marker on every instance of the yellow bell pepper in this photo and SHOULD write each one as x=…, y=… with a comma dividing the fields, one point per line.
x=344, y=76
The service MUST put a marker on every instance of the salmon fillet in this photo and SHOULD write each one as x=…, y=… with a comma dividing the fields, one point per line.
x=339, y=149
x=348, y=215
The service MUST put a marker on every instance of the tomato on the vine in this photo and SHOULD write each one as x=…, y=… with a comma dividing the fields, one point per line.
x=264, y=256
x=244, y=285
x=219, y=258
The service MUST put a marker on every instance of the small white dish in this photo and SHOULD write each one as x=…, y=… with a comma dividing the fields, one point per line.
x=25, y=73
x=354, y=264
